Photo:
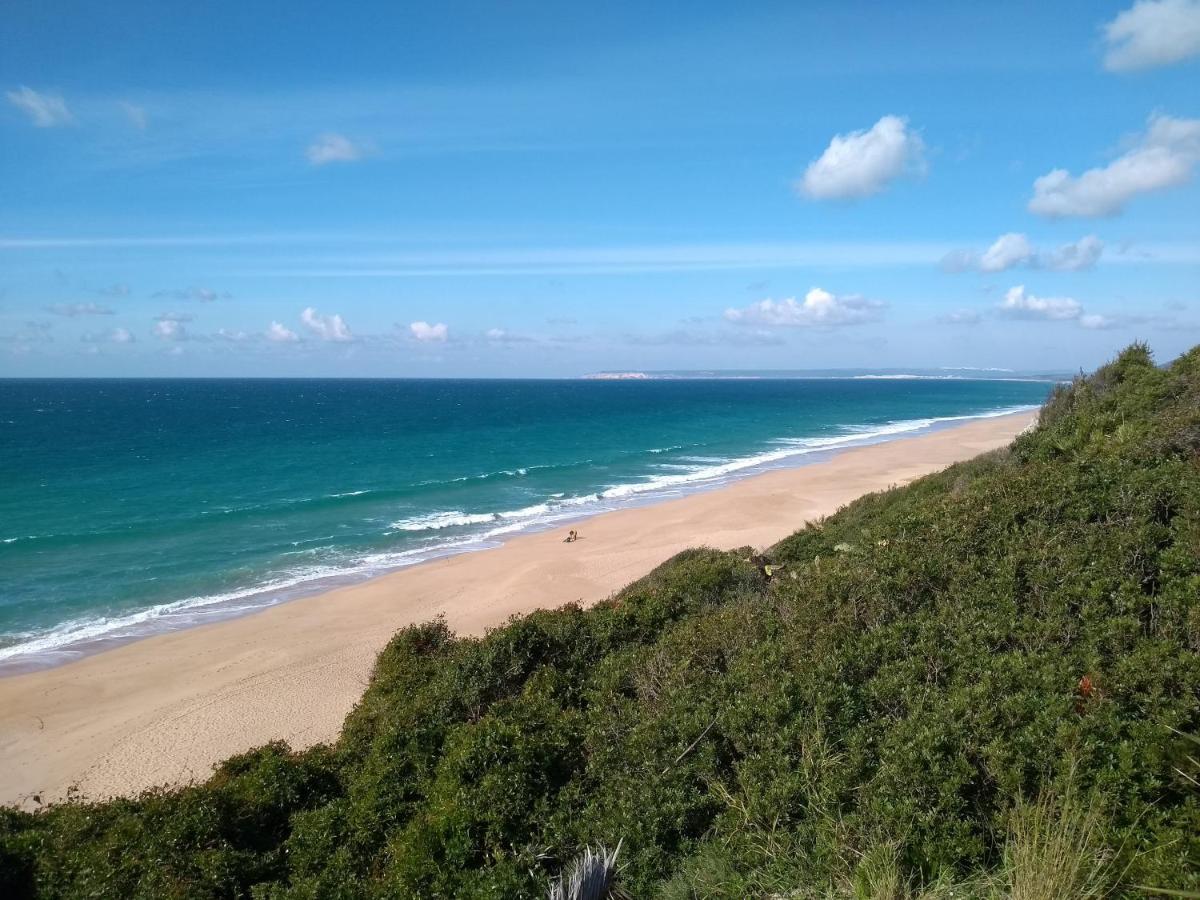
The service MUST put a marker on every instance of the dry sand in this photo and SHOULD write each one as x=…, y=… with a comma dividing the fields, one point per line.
x=165, y=709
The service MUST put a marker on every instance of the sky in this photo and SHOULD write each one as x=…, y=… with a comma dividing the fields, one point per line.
x=552, y=189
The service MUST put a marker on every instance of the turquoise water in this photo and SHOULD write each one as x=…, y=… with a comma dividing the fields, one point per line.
x=130, y=507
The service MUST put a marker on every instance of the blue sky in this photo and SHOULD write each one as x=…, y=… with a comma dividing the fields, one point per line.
x=553, y=189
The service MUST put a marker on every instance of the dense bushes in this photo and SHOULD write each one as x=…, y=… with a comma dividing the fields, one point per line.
x=949, y=683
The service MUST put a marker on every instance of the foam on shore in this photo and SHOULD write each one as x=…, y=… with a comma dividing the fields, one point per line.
x=449, y=532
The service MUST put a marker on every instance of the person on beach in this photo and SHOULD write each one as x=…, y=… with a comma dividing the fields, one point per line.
x=572, y=537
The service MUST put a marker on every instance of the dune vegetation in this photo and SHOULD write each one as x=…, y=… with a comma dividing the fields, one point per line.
x=983, y=684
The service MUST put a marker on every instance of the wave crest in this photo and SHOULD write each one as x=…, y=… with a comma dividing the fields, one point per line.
x=475, y=530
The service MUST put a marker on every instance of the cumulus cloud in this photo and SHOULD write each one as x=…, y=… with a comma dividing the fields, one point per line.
x=327, y=328
x=430, y=334
x=1161, y=158
x=233, y=336
x=1013, y=249
x=331, y=148
x=74, y=310
x=1082, y=254
x=170, y=329
x=44, y=110
x=1019, y=304
x=863, y=163
x=279, y=333
x=115, y=336
x=1009, y=250
x=1152, y=33
x=818, y=309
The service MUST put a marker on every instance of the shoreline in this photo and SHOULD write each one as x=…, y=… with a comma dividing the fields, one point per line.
x=74, y=640
x=162, y=710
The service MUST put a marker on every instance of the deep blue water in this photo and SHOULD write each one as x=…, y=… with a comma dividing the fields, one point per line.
x=128, y=507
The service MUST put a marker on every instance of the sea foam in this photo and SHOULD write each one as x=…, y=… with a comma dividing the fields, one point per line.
x=466, y=531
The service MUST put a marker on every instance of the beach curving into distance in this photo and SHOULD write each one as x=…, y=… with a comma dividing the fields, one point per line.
x=164, y=710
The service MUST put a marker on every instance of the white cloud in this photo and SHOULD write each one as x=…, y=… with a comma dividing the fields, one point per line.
x=135, y=114
x=327, y=328
x=115, y=336
x=1013, y=249
x=1009, y=250
x=426, y=333
x=72, y=310
x=225, y=334
x=502, y=336
x=1095, y=320
x=1082, y=254
x=862, y=163
x=1162, y=158
x=1019, y=304
x=330, y=148
x=819, y=308
x=44, y=110
x=169, y=329
x=281, y=334
x=1153, y=33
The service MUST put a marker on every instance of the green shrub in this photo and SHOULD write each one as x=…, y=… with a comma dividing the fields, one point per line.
x=864, y=723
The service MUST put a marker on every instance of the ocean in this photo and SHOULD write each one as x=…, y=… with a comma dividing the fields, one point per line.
x=130, y=507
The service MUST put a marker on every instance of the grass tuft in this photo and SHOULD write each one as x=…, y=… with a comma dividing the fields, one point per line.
x=594, y=875
x=1055, y=850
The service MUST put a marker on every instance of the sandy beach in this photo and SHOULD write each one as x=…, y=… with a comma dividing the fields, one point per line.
x=165, y=709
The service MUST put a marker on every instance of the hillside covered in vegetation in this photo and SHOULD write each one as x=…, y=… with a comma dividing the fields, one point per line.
x=986, y=683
